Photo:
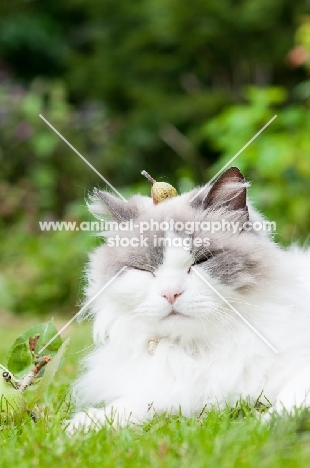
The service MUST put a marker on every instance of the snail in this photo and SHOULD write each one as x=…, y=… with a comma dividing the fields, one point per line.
x=160, y=190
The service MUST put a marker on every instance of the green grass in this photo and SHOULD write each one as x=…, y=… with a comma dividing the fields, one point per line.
x=217, y=439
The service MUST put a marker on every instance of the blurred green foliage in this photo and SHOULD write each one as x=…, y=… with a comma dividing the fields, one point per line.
x=278, y=161
x=40, y=173
x=170, y=87
x=160, y=68
x=42, y=273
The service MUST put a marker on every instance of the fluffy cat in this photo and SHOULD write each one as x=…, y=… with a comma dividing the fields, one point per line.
x=166, y=340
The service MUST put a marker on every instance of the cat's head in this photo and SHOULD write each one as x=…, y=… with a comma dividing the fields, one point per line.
x=175, y=278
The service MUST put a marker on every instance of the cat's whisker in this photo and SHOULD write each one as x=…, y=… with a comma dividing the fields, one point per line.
x=239, y=301
x=227, y=319
x=212, y=317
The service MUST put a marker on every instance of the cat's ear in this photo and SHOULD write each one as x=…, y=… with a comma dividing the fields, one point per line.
x=228, y=191
x=103, y=204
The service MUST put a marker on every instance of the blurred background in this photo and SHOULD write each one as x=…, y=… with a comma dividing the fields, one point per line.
x=175, y=88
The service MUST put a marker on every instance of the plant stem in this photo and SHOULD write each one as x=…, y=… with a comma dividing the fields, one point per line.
x=147, y=175
x=29, y=378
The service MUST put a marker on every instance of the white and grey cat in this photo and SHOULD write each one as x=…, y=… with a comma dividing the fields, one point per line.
x=166, y=340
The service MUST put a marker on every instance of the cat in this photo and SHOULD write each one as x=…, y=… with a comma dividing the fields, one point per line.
x=168, y=329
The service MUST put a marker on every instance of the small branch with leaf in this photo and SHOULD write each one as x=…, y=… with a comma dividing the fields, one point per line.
x=26, y=367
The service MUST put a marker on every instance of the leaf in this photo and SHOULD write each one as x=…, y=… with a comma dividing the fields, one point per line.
x=24, y=337
x=19, y=359
x=48, y=332
x=49, y=374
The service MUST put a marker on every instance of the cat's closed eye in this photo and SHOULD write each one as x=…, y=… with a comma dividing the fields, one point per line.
x=200, y=260
x=143, y=269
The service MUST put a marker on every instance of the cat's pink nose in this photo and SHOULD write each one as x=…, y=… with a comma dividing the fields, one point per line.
x=171, y=296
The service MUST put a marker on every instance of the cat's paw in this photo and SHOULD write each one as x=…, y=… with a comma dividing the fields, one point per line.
x=84, y=421
x=94, y=419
